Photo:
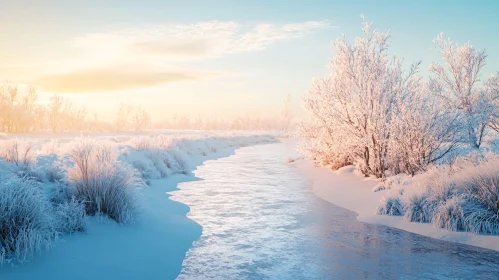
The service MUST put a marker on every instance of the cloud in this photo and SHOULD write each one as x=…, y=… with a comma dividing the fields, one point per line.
x=191, y=41
x=96, y=59
x=117, y=78
x=263, y=35
x=187, y=48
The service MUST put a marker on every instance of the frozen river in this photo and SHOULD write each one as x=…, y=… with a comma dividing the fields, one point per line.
x=261, y=220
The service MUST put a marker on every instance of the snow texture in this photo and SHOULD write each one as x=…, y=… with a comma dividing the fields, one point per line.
x=437, y=212
x=49, y=188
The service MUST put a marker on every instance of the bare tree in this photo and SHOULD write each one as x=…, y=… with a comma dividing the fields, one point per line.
x=8, y=99
x=40, y=118
x=122, y=117
x=55, y=107
x=141, y=119
x=287, y=114
x=29, y=109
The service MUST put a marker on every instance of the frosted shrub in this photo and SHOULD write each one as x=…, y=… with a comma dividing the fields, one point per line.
x=161, y=161
x=51, y=147
x=69, y=216
x=105, y=151
x=19, y=158
x=396, y=182
x=54, y=173
x=17, y=152
x=463, y=196
x=419, y=209
x=436, y=189
x=61, y=192
x=449, y=215
x=482, y=183
x=390, y=206
x=163, y=142
x=166, y=162
x=478, y=219
x=180, y=161
x=25, y=220
x=105, y=185
x=140, y=143
x=440, y=189
x=30, y=172
x=143, y=169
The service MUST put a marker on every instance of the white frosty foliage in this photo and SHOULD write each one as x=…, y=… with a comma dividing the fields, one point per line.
x=457, y=83
x=70, y=216
x=390, y=206
x=105, y=184
x=160, y=156
x=25, y=219
x=17, y=152
x=463, y=196
x=368, y=112
x=47, y=188
x=19, y=157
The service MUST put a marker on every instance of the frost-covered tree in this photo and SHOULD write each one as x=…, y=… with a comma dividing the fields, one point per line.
x=354, y=104
x=493, y=88
x=458, y=83
x=493, y=85
x=422, y=130
x=372, y=113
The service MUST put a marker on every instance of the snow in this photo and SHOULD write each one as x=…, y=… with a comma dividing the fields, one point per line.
x=348, y=189
x=155, y=245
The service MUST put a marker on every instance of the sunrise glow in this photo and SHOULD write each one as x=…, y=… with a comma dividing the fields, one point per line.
x=249, y=139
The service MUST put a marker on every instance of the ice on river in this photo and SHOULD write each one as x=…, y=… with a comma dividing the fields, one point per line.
x=261, y=220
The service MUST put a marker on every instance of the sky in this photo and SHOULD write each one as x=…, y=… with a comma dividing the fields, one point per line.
x=217, y=58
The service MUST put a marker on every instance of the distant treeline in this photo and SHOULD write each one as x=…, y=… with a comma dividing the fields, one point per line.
x=21, y=111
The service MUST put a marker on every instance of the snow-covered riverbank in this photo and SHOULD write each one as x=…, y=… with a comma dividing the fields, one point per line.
x=348, y=189
x=155, y=245
x=259, y=217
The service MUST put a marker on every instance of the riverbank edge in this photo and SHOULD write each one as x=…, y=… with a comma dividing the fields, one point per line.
x=349, y=190
x=178, y=235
